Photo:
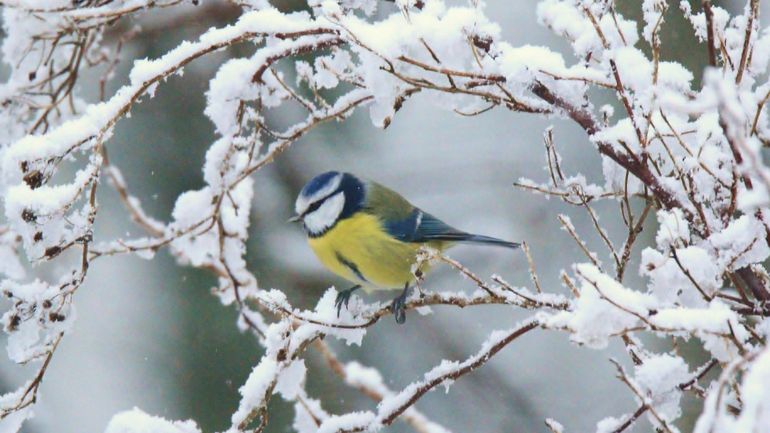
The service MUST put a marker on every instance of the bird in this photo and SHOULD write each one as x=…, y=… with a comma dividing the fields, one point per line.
x=370, y=235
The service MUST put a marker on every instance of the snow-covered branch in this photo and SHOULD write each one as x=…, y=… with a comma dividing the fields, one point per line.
x=690, y=153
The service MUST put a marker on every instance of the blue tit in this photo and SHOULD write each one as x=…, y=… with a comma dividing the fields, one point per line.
x=370, y=235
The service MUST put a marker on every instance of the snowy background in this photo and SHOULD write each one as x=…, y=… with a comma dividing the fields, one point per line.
x=149, y=334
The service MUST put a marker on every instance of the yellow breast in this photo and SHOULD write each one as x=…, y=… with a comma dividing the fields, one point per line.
x=359, y=250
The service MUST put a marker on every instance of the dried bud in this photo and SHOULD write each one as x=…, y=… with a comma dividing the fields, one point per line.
x=34, y=179
x=13, y=323
x=482, y=43
x=52, y=251
x=56, y=317
x=281, y=355
x=28, y=216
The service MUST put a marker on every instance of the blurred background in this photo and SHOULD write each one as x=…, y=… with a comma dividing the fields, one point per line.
x=149, y=334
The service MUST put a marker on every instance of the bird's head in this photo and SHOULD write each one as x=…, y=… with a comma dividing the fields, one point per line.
x=326, y=199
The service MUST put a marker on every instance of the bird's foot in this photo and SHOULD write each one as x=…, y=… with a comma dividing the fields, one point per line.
x=398, y=307
x=343, y=297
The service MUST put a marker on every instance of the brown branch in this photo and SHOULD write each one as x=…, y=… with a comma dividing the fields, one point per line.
x=689, y=276
x=747, y=40
x=415, y=419
x=483, y=77
x=586, y=121
x=138, y=215
x=632, y=418
x=311, y=47
x=632, y=386
x=531, y=263
x=479, y=359
x=710, y=32
x=602, y=234
x=754, y=283
x=29, y=397
x=760, y=106
x=633, y=233
x=567, y=225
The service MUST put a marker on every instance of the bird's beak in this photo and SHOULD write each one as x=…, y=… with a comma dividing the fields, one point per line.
x=294, y=219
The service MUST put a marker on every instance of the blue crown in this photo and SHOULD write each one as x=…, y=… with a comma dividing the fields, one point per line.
x=317, y=183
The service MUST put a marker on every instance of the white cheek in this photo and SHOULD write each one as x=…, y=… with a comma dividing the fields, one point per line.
x=326, y=215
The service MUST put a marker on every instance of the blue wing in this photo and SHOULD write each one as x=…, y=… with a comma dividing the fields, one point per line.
x=421, y=226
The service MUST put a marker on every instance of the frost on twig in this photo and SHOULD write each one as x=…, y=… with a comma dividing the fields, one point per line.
x=689, y=157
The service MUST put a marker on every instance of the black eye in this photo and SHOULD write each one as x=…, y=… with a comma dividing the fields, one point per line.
x=313, y=207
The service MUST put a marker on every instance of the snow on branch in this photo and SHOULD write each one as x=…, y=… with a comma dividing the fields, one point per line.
x=687, y=155
x=136, y=421
x=391, y=407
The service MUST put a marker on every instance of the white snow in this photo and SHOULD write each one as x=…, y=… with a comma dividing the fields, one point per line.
x=136, y=421
x=254, y=391
x=755, y=415
x=604, y=309
x=741, y=243
x=659, y=377
x=674, y=230
x=347, y=421
x=713, y=325
x=715, y=223
x=12, y=423
x=358, y=375
x=291, y=380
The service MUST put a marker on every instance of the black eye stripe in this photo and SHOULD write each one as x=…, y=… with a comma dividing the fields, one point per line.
x=316, y=204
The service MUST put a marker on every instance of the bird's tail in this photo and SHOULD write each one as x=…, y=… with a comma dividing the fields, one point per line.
x=488, y=240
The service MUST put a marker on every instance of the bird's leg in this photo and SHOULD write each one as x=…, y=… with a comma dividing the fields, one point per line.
x=343, y=297
x=399, y=304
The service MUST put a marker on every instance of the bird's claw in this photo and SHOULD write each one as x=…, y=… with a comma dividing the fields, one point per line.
x=398, y=307
x=343, y=297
